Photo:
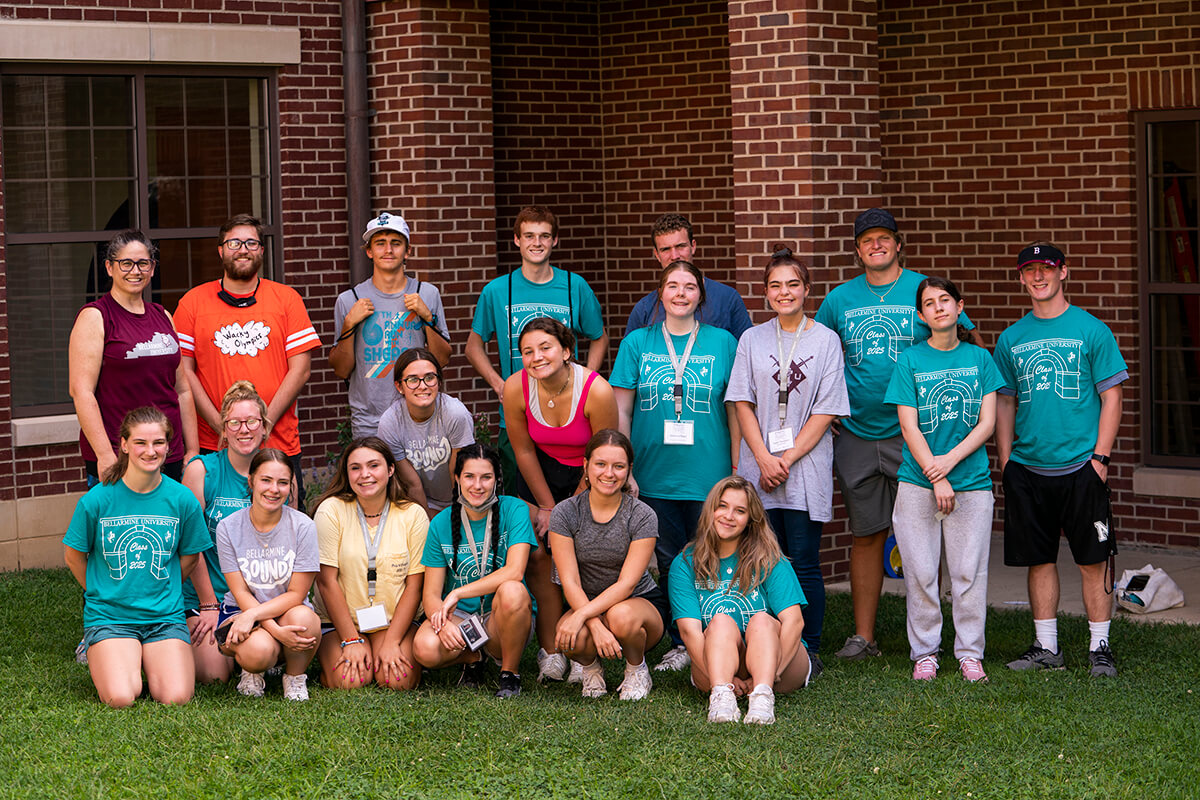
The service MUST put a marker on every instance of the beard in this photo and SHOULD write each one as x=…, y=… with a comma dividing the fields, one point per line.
x=241, y=269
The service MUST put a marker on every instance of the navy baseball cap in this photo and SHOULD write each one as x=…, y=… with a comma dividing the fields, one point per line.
x=874, y=218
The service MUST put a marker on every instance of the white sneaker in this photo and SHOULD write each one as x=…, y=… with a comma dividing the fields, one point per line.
x=551, y=666
x=760, y=709
x=576, y=675
x=637, y=682
x=676, y=658
x=295, y=687
x=722, y=704
x=593, y=679
x=252, y=684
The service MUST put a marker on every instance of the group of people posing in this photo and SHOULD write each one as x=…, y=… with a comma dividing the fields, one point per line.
x=683, y=496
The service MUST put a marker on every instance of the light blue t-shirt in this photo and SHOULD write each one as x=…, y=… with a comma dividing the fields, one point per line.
x=692, y=599
x=679, y=472
x=133, y=542
x=947, y=388
x=874, y=332
x=225, y=491
x=515, y=528
x=1057, y=368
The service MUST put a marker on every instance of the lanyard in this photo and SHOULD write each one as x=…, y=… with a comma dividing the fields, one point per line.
x=679, y=364
x=372, y=546
x=480, y=554
x=785, y=364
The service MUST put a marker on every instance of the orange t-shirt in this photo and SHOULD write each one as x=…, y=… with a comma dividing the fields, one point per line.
x=252, y=343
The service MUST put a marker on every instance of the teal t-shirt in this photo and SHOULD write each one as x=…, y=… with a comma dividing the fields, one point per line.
x=1057, y=368
x=874, y=332
x=690, y=599
x=225, y=491
x=947, y=388
x=680, y=472
x=576, y=307
x=515, y=528
x=133, y=542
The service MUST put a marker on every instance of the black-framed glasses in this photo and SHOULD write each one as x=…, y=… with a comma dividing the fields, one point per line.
x=253, y=245
x=127, y=265
x=252, y=424
x=413, y=381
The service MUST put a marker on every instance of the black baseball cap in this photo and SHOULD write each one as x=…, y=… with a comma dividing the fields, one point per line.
x=874, y=218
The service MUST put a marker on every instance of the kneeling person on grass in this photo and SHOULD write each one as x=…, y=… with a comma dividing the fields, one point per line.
x=475, y=557
x=739, y=607
x=268, y=554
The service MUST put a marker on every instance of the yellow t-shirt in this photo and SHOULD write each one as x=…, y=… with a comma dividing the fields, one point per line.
x=340, y=539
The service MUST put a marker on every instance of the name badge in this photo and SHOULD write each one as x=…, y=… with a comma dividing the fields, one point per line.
x=371, y=618
x=679, y=432
x=780, y=440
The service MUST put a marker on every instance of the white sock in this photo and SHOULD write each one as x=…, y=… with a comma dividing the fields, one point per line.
x=1046, y=632
x=639, y=665
x=1099, y=633
x=762, y=688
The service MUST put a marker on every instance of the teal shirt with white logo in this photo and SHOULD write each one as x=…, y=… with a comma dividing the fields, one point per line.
x=674, y=471
x=1057, y=368
x=947, y=388
x=133, y=542
x=876, y=324
x=693, y=599
x=225, y=492
x=515, y=528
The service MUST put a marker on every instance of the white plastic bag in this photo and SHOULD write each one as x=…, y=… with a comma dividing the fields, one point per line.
x=1158, y=593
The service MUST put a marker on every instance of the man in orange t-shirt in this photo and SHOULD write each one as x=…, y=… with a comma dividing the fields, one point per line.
x=245, y=327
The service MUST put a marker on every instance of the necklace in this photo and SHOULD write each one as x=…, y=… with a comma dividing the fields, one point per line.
x=889, y=291
x=561, y=389
x=373, y=516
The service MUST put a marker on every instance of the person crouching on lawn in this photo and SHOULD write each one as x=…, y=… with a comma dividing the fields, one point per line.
x=739, y=607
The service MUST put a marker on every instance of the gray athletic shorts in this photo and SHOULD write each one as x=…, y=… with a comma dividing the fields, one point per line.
x=866, y=472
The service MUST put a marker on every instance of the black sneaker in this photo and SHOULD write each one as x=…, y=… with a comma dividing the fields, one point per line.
x=1038, y=657
x=816, y=667
x=474, y=674
x=1102, y=661
x=510, y=684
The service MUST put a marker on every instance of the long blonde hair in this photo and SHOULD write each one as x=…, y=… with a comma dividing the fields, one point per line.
x=757, y=548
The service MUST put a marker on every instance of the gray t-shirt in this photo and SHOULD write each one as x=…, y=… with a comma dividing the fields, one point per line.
x=267, y=560
x=601, y=548
x=816, y=384
x=427, y=445
x=379, y=341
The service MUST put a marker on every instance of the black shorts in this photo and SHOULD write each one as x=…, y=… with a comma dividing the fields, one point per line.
x=562, y=479
x=659, y=601
x=1037, y=508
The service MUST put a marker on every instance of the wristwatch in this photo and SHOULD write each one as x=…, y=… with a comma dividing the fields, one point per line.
x=1102, y=459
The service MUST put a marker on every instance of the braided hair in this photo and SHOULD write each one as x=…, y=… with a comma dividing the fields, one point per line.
x=484, y=453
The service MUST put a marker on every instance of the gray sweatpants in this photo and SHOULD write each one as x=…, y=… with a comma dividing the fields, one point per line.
x=967, y=532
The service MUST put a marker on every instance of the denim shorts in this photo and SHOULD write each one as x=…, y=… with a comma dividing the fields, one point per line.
x=146, y=634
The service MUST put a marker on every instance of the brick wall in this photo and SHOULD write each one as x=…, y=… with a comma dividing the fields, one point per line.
x=312, y=218
x=1005, y=122
x=806, y=152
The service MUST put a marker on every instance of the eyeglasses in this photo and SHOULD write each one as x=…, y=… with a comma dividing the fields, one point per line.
x=253, y=245
x=252, y=424
x=127, y=265
x=413, y=381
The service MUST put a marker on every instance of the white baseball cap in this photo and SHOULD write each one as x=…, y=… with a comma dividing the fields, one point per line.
x=387, y=221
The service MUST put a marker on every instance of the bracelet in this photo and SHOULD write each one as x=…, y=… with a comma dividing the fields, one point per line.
x=359, y=640
x=210, y=606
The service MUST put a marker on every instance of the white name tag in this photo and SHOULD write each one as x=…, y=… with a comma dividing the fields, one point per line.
x=678, y=432
x=780, y=440
x=371, y=618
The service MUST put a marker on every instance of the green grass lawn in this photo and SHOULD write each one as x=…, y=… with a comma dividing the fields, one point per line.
x=862, y=730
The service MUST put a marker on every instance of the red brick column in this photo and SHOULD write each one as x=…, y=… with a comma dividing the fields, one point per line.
x=430, y=80
x=806, y=155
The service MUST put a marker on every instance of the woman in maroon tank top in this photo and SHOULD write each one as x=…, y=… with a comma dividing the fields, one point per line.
x=124, y=353
x=552, y=408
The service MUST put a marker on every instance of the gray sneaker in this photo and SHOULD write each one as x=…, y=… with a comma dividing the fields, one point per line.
x=1102, y=661
x=857, y=648
x=1038, y=657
